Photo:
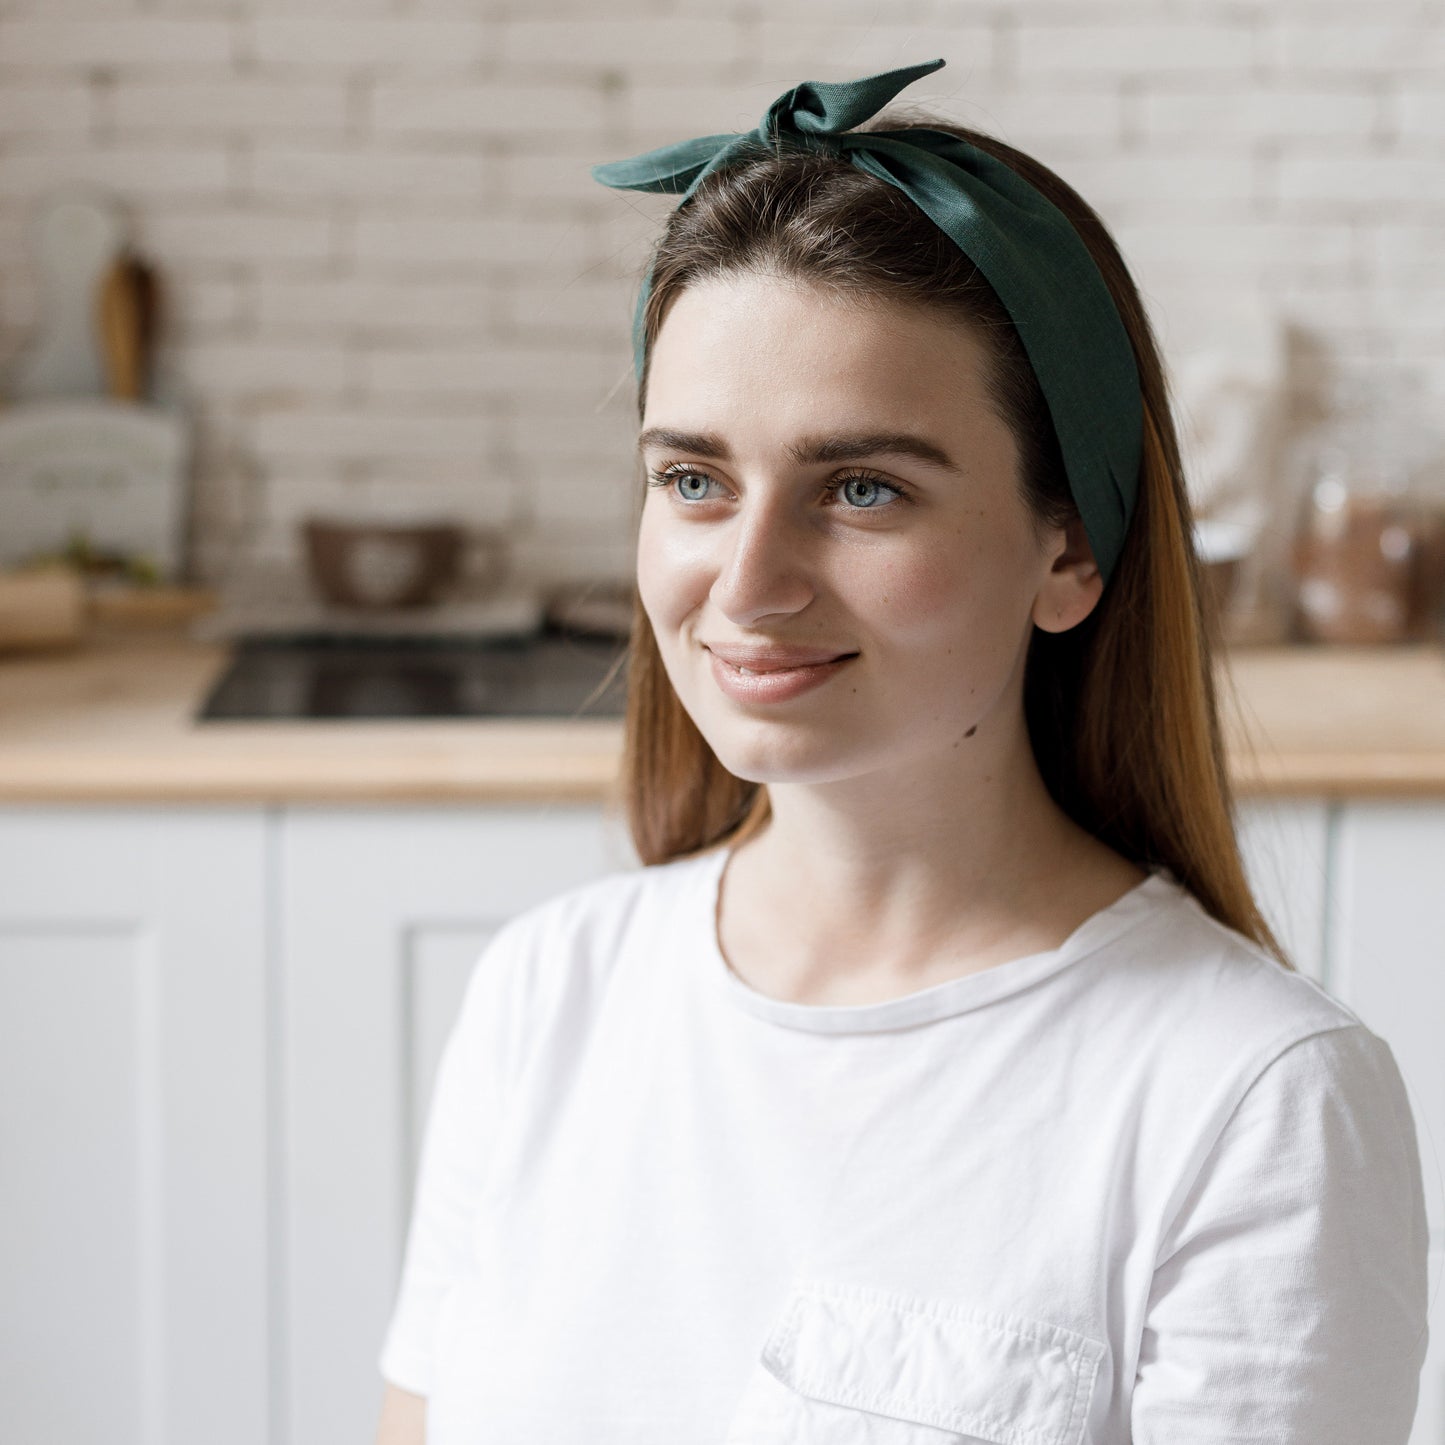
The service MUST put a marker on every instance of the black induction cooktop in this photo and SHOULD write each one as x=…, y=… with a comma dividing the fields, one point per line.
x=554, y=674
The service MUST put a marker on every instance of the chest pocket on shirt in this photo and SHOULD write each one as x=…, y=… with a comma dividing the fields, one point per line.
x=848, y=1365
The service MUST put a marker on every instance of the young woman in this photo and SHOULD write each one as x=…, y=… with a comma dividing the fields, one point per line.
x=937, y=1079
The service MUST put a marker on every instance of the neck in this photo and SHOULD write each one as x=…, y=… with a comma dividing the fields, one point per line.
x=974, y=834
x=902, y=871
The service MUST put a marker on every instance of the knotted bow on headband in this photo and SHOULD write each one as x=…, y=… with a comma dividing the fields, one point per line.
x=1025, y=246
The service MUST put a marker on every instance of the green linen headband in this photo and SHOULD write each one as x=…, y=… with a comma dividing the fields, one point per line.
x=1025, y=246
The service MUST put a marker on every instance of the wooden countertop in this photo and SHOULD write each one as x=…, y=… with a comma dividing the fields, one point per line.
x=112, y=722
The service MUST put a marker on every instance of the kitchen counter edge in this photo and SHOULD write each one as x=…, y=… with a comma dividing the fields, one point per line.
x=113, y=722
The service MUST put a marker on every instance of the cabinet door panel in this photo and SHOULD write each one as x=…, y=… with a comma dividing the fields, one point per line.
x=383, y=915
x=1387, y=948
x=1284, y=843
x=133, y=1264
x=77, y=1017
x=1388, y=952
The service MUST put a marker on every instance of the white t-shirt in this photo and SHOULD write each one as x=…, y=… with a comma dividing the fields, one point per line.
x=1148, y=1186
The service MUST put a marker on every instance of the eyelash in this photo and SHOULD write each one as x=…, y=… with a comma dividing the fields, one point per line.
x=669, y=474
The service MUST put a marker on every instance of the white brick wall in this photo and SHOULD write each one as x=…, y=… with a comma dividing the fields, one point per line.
x=389, y=276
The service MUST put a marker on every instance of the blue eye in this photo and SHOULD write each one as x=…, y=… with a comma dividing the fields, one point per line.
x=678, y=480
x=685, y=477
x=861, y=492
x=869, y=483
x=850, y=485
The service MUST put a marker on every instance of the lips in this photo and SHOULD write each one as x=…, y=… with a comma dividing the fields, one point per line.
x=773, y=659
x=776, y=674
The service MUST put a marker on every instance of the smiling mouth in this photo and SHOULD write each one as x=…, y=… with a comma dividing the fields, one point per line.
x=787, y=666
x=763, y=665
x=778, y=684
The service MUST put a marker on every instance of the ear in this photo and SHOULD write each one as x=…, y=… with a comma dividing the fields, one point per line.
x=1073, y=584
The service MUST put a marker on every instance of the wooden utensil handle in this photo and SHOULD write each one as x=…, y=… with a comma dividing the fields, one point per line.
x=120, y=330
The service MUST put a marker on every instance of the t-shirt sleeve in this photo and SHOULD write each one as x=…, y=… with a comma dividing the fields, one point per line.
x=463, y=1119
x=1288, y=1302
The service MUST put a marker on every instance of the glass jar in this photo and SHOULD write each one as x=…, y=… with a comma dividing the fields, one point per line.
x=1368, y=554
x=1354, y=560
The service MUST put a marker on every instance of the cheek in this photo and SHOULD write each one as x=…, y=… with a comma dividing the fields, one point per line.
x=965, y=598
x=668, y=577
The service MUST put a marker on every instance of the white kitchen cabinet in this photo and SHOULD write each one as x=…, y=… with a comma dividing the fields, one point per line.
x=381, y=915
x=1357, y=891
x=134, y=1099
x=219, y=1029
x=1386, y=926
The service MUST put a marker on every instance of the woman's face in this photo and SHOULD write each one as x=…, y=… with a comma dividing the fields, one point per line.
x=919, y=561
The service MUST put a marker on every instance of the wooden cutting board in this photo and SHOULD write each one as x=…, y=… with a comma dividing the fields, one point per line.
x=56, y=607
x=134, y=608
x=41, y=607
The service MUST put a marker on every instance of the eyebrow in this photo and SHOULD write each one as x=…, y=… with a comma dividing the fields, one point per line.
x=831, y=448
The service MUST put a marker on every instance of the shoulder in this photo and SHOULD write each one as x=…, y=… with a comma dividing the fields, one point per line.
x=592, y=920
x=1209, y=1005
x=551, y=963
x=1291, y=1206
x=1243, y=1068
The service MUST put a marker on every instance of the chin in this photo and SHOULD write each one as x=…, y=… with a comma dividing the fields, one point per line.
x=802, y=757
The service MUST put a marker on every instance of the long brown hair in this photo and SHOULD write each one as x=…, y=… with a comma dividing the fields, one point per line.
x=1121, y=709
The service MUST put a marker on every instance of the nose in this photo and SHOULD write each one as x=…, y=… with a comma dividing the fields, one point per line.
x=764, y=564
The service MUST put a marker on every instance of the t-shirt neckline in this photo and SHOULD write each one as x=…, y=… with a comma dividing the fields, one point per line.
x=953, y=996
